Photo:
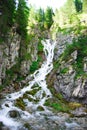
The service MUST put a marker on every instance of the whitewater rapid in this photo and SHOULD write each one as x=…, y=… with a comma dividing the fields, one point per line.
x=43, y=93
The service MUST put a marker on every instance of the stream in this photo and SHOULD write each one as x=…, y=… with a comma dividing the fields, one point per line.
x=34, y=115
x=42, y=94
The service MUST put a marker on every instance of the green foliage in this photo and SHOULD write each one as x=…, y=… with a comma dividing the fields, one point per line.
x=59, y=96
x=81, y=46
x=20, y=103
x=40, y=46
x=57, y=105
x=85, y=6
x=56, y=65
x=78, y=5
x=22, y=18
x=11, y=73
x=19, y=78
x=32, y=20
x=1, y=87
x=40, y=17
x=7, y=10
x=48, y=18
x=60, y=107
x=64, y=70
x=34, y=66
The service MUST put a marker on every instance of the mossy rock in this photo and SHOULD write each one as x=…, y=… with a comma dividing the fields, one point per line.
x=74, y=105
x=25, y=96
x=60, y=106
x=26, y=125
x=20, y=103
x=59, y=96
x=57, y=105
x=40, y=108
x=1, y=87
x=86, y=110
x=33, y=92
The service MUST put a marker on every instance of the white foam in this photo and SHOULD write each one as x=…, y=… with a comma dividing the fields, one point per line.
x=38, y=78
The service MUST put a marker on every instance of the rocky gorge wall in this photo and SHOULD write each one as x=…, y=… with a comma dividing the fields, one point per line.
x=9, y=58
x=65, y=81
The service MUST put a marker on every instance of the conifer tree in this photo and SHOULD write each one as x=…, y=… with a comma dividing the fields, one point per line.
x=22, y=18
x=48, y=17
x=40, y=18
x=78, y=5
x=7, y=14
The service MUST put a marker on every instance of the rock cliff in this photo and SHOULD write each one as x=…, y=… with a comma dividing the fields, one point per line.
x=10, y=65
x=69, y=81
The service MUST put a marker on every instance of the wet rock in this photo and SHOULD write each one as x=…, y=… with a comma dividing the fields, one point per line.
x=27, y=126
x=2, y=127
x=40, y=108
x=14, y=114
x=6, y=105
x=23, y=128
x=1, y=124
x=71, y=125
x=79, y=112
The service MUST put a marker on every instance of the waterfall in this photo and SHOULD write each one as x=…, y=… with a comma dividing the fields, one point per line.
x=38, y=84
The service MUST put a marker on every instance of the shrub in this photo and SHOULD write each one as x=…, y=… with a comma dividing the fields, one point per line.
x=34, y=66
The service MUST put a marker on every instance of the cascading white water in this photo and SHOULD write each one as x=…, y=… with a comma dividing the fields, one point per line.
x=42, y=94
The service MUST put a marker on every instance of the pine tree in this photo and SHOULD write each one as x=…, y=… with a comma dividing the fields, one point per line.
x=7, y=14
x=48, y=17
x=22, y=18
x=40, y=18
x=40, y=15
x=78, y=5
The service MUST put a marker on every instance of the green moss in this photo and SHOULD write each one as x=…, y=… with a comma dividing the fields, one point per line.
x=1, y=87
x=26, y=125
x=60, y=107
x=40, y=108
x=64, y=70
x=20, y=78
x=59, y=96
x=35, y=64
x=39, y=58
x=56, y=65
x=40, y=47
x=19, y=103
x=74, y=105
x=33, y=92
x=57, y=105
x=27, y=56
